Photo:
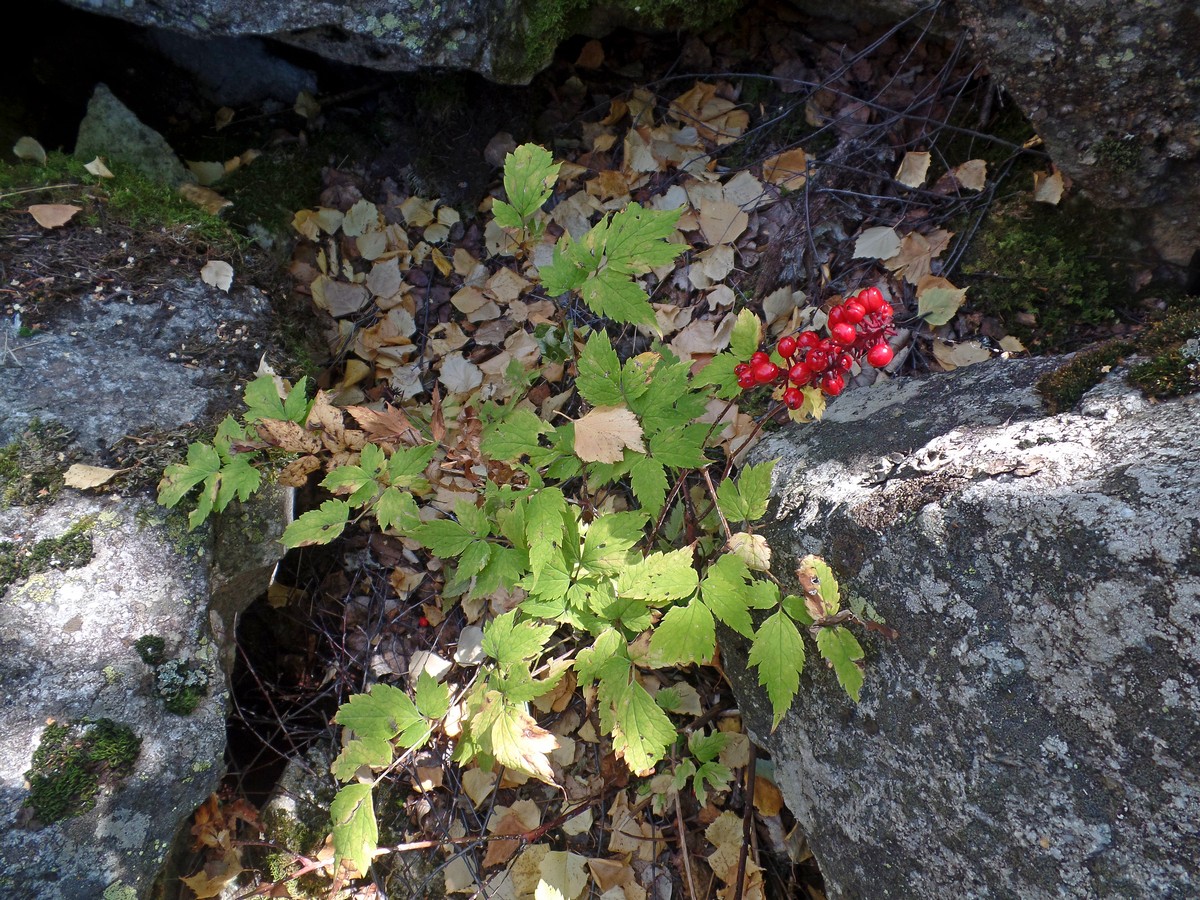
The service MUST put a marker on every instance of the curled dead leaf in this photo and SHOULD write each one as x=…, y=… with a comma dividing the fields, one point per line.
x=218, y=273
x=53, y=215
x=84, y=477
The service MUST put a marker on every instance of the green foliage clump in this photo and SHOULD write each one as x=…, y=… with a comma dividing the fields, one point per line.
x=1056, y=265
x=70, y=550
x=624, y=527
x=73, y=760
x=1173, y=346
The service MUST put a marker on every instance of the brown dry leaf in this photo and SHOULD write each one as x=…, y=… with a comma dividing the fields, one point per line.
x=879, y=242
x=736, y=752
x=388, y=425
x=726, y=835
x=288, y=436
x=714, y=118
x=306, y=105
x=223, y=117
x=501, y=851
x=98, y=168
x=478, y=784
x=917, y=252
x=1048, y=187
x=603, y=434
x=768, y=799
x=459, y=375
x=971, y=175
x=53, y=215
x=28, y=149
x=205, y=198
x=629, y=833
x=295, y=474
x=611, y=873
x=591, y=56
x=506, y=285
x=563, y=876
x=361, y=218
x=722, y=222
x=311, y=222
x=429, y=778
x=787, y=170
x=84, y=477
x=385, y=279
x=439, y=259
x=339, y=298
x=913, y=168
x=211, y=880
x=418, y=212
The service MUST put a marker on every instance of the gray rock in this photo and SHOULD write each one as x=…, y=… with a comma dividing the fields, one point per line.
x=108, y=367
x=111, y=130
x=235, y=71
x=1033, y=731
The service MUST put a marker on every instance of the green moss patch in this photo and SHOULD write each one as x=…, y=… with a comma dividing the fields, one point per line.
x=1046, y=272
x=180, y=684
x=73, y=761
x=70, y=550
x=32, y=465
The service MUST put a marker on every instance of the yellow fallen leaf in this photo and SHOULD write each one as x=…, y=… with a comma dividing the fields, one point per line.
x=217, y=273
x=972, y=175
x=98, y=168
x=913, y=168
x=938, y=300
x=951, y=356
x=223, y=117
x=206, y=198
x=722, y=222
x=563, y=876
x=306, y=105
x=53, y=215
x=207, y=173
x=603, y=434
x=1047, y=187
x=84, y=477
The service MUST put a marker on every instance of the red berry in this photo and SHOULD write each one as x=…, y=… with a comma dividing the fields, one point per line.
x=833, y=383
x=843, y=333
x=845, y=362
x=871, y=298
x=885, y=310
x=765, y=371
x=741, y=368
x=879, y=355
x=799, y=373
x=816, y=360
x=758, y=357
x=808, y=339
x=746, y=381
x=854, y=312
x=787, y=347
x=423, y=622
x=835, y=315
x=793, y=398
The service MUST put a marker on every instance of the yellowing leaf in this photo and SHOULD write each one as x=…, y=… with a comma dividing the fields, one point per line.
x=207, y=172
x=938, y=300
x=218, y=273
x=306, y=105
x=418, y=212
x=971, y=175
x=519, y=742
x=563, y=876
x=787, y=170
x=603, y=434
x=53, y=215
x=879, y=242
x=478, y=784
x=205, y=198
x=211, y=880
x=955, y=356
x=84, y=477
x=98, y=168
x=1047, y=187
x=913, y=168
x=30, y=150
x=223, y=117
x=722, y=222
x=752, y=549
x=362, y=217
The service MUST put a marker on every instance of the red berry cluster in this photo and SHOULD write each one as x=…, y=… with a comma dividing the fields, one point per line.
x=858, y=328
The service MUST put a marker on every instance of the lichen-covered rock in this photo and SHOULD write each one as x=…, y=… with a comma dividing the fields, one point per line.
x=111, y=130
x=1033, y=732
x=505, y=40
x=110, y=611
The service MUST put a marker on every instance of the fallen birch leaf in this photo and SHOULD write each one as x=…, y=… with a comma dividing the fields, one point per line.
x=880, y=242
x=955, y=356
x=787, y=170
x=98, y=168
x=1047, y=187
x=223, y=117
x=913, y=168
x=938, y=300
x=206, y=198
x=218, y=273
x=53, y=215
x=971, y=175
x=603, y=434
x=207, y=173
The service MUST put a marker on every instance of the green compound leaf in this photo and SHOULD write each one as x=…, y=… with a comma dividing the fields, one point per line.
x=433, y=698
x=406, y=468
x=778, y=653
x=515, y=437
x=707, y=747
x=613, y=294
x=355, y=832
x=592, y=661
x=354, y=481
x=637, y=239
x=529, y=176
x=746, y=500
x=238, y=479
x=397, y=509
x=381, y=714
x=545, y=527
x=317, y=526
x=609, y=537
x=719, y=372
x=680, y=448
x=726, y=591
x=842, y=650
x=178, y=479
x=508, y=642
x=660, y=577
x=373, y=752
x=443, y=537
x=262, y=401
x=747, y=333
x=686, y=634
x=599, y=378
x=648, y=478
x=641, y=731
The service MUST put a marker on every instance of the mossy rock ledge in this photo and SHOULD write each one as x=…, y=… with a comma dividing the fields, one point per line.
x=1033, y=730
x=116, y=623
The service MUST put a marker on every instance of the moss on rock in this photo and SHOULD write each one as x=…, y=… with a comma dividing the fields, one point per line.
x=70, y=550
x=72, y=762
